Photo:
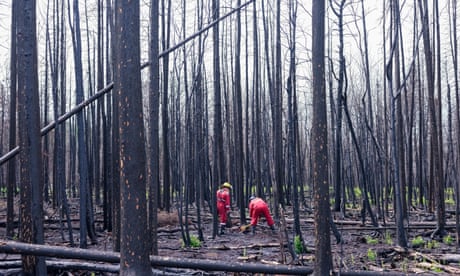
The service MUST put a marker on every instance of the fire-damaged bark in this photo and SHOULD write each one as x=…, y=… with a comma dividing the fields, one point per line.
x=31, y=182
x=134, y=234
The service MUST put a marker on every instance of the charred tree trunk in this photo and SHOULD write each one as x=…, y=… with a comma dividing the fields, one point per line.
x=323, y=256
x=436, y=162
x=238, y=122
x=83, y=168
x=31, y=197
x=218, y=148
x=154, y=133
x=135, y=237
x=166, y=31
x=11, y=186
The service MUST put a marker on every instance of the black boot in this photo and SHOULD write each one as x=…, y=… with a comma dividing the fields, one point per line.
x=222, y=229
x=273, y=229
x=253, y=229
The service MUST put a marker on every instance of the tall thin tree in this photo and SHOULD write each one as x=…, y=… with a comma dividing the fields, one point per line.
x=83, y=168
x=154, y=133
x=166, y=34
x=435, y=162
x=11, y=183
x=278, y=117
x=394, y=83
x=323, y=256
x=135, y=237
x=238, y=121
x=454, y=49
x=31, y=197
x=218, y=149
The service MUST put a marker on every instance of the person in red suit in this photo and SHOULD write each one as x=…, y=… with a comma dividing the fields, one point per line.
x=223, y=204
x=257, y=208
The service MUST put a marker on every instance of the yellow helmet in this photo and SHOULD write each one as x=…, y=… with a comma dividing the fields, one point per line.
x=226, y=185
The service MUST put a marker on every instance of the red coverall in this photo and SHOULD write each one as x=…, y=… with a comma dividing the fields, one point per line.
x=223, y=204
x=257, y=208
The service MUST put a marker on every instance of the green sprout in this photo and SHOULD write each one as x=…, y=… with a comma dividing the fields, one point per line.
x=418, y=241
x=432, y=244
x=370, y=240
x=371, y=255
x=194, y=242
x=388, y=239
x=298, y=245
x=449, y=240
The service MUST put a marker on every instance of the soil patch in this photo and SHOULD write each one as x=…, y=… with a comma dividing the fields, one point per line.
x=362, y=247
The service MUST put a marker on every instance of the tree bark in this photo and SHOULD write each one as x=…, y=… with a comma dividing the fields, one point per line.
x=219, y=175
x=135, y=237
x=436, y=179
x=166, y=32
x=154, y=133
x=83, y=168
x=11, y=186
x=31, y=201
x=323, y=256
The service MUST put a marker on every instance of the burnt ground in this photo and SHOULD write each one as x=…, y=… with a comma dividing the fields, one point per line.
x=363, y=248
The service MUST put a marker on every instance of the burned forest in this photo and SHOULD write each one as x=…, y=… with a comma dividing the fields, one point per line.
x=247, y=137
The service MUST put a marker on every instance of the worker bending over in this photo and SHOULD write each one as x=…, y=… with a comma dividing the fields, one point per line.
x=257, y=208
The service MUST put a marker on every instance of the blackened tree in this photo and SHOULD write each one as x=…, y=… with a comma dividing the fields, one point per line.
x=135, y=238
x=323, y=259
x=12, y=132
x=31, y=201
x=154, y=107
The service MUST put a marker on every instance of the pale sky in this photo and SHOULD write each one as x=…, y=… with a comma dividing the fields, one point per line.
x=5, y=23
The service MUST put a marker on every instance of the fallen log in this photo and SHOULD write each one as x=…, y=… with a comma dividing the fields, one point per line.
x=85, y=266
x=10, y=264
x=252, y=246
x=434, y=267
x=448, y=258
x=68, y=265
x=369, y=273
x=384, y=227
x=156, y=261
x=12, y=272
